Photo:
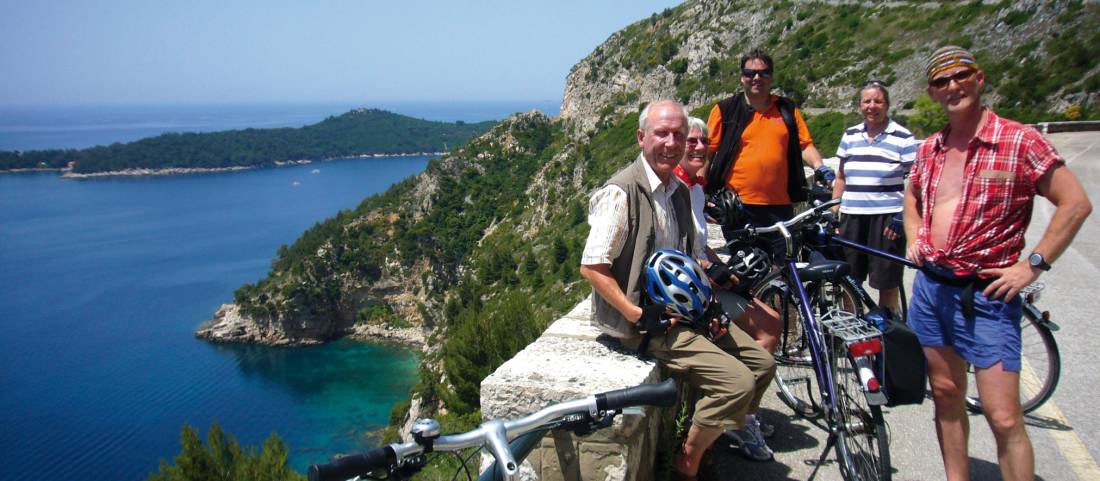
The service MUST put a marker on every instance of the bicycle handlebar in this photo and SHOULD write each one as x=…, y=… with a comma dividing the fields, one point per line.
x=661, y=395
x=796, y=219
x=496, y=433
x=781, y=226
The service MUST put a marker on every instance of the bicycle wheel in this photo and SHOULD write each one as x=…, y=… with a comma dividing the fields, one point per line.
x=794, y=370
x=1042, y=366
x=794, y=373
x=862, y=446
x=838, y=295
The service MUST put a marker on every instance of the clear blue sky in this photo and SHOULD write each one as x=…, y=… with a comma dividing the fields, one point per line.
x=73, y=52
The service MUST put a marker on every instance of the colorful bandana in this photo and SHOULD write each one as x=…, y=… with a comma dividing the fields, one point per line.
x=949, y=57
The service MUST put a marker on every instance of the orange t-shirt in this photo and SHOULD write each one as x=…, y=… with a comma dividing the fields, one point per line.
x=760, y=170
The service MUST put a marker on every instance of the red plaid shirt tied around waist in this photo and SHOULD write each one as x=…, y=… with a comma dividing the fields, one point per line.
x=1003, y=164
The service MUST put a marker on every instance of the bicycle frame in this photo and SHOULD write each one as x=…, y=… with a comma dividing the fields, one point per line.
x=811, y=324
x=811, y=327
x=817, y=341
x=827, y=238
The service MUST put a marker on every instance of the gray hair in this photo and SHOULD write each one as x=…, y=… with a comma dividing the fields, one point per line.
x=874, y=85
x=645, y=111
x=696, y=123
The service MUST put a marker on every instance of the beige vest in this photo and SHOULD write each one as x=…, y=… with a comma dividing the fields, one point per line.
x=628, y=268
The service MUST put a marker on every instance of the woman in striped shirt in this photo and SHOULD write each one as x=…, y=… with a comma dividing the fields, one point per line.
x=875, y=157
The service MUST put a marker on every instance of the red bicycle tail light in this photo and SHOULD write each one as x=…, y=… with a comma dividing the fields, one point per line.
x=866, y=347
x=873, y=385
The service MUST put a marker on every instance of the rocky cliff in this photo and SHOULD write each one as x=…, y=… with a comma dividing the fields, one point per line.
x=825, y=50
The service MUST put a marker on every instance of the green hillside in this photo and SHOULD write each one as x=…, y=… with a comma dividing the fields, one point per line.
x=358, y=132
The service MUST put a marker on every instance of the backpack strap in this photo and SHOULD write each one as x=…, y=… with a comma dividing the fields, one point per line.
x=735, y=113
x=796, y=181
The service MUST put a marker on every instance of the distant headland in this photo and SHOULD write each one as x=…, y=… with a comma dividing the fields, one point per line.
x=360, y=133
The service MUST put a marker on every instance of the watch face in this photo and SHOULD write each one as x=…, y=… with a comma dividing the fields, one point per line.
x=1036, y=260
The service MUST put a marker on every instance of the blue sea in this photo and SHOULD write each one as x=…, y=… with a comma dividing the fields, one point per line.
x=102, y=283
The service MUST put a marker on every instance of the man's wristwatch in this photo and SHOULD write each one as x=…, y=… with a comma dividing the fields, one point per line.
x=1036, y=260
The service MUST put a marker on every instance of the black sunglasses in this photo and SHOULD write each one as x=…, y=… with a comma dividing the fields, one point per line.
x=751, y=72
x=874, y=83
x=959, y=77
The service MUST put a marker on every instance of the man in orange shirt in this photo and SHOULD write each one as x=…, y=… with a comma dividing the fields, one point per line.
x=760, y=143
x=758, y=153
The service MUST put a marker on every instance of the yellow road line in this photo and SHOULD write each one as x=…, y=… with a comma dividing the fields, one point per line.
x=1067, y=441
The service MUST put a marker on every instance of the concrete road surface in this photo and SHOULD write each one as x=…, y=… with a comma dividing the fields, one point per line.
x=1065, y=432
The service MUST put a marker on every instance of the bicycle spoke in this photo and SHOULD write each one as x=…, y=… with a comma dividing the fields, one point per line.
x=862, y=446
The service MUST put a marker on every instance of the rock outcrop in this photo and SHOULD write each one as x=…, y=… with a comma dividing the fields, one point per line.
x=409, y=290
x=228, y=325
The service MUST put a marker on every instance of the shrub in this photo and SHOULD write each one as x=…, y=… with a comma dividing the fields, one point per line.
x=222, y=458
x=928, y=118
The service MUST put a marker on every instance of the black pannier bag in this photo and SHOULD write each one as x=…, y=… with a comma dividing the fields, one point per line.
x=902, y=364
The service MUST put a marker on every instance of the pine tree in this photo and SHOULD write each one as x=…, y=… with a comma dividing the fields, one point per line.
x=223, y=459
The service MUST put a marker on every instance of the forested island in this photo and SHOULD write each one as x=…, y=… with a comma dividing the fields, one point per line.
x=356, y=133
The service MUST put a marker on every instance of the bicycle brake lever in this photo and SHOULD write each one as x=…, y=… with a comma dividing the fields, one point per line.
x=407, y=470
x=593, y=424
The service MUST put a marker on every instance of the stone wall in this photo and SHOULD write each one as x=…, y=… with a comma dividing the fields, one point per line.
x=572, y=360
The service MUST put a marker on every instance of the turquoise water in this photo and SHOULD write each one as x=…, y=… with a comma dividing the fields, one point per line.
x=102, y=283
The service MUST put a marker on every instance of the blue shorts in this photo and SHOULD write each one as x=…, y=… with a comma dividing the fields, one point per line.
x=993, y=336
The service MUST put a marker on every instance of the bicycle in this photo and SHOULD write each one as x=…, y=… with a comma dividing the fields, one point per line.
x=1040, y=354
x=509, y=441
x=830, y=346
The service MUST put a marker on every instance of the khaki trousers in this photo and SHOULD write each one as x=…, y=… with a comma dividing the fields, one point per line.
x=730, y=374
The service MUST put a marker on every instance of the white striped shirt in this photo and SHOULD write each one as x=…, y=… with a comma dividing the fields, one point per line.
x=607, y=214
x=874, y=169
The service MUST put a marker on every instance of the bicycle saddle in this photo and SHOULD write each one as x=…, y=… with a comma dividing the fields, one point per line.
x=821, y=268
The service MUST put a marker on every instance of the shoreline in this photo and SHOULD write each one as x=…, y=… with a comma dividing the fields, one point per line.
x=147, y=172
x=230, y=325
x=411, y=337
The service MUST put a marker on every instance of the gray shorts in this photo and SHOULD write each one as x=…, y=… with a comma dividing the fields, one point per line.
x=867, y=230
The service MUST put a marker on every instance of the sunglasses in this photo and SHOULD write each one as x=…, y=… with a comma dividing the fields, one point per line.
x=959, y=77
x=751, y=72
x=874, y=83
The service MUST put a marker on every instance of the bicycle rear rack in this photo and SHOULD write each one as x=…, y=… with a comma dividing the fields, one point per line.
x=848, y=327
x=857, y=335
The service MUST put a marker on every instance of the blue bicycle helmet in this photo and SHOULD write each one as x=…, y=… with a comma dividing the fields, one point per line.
x=675, y=280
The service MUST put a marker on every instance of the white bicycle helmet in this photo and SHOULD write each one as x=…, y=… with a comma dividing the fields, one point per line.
x=675, y=280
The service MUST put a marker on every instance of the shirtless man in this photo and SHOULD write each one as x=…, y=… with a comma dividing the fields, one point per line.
x=966, y=211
